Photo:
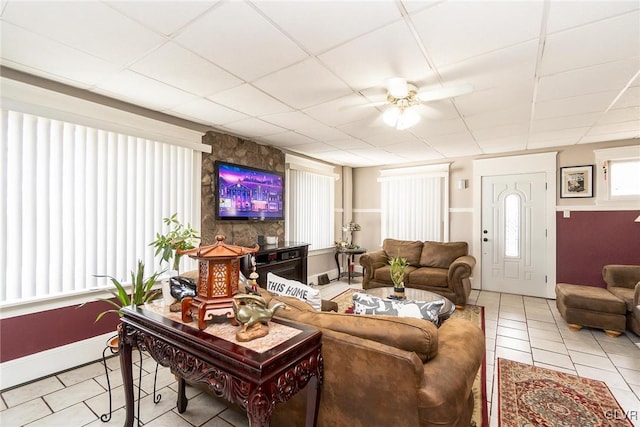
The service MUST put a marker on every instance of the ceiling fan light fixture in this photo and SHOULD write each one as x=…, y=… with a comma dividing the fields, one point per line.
x=400, y=119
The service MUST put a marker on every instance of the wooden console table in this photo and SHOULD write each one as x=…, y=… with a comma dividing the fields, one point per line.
x=254, y=380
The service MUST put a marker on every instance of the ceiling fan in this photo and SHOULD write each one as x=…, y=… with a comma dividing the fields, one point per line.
x=402, y=96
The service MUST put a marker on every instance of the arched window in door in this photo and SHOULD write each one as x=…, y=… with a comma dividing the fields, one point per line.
x=512, y=208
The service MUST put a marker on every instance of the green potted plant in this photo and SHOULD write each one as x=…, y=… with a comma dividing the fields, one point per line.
x=398, y=267
x=179, y=238
x=141, y=291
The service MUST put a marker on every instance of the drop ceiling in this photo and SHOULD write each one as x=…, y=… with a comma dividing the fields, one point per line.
x=309, y=76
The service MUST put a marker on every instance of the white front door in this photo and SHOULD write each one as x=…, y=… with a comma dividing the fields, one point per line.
x=514, y=234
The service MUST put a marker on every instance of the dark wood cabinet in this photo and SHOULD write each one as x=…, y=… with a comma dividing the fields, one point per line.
x=288, y=260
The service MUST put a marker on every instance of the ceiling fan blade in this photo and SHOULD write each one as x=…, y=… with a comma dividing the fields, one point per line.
x=445, y=92
x=398, y=87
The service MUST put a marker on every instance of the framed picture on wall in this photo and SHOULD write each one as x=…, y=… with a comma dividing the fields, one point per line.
x=576, y=181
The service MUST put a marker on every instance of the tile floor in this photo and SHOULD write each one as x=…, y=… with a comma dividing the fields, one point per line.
x=529, y=330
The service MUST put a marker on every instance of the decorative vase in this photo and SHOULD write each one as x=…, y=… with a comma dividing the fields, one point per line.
x=167, y=298
x=398, y=291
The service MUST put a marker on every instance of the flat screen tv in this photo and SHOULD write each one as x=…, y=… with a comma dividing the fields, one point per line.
x=246, y=193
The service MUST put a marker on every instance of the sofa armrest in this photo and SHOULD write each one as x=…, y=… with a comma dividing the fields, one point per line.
x=459, y=272
x=636, y=296
x=370, y=261
x=461, y=348
x=621, y=276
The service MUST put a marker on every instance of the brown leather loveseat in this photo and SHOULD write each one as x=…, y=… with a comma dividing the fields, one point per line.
x=387, y=371
x=443, y=268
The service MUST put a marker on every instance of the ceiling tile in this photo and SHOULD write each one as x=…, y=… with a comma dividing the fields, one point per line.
x=292, y=120
x=378, y=156
x=567, y=14
x=208, y=112
x=558, y=137
x=375, y=57
x=237, y=38
x=308, y=22
x=620, y=115
x=183, y=69
x=349, y=144
x=499, y=98
x=591, y=103
x=289, y=139
x=293, y=85
x=454, y=31
x=630, y=98
x=510, y=66
x=324, y=133
x=497, y=132
x=92, y=27
x=167, y=17
x=517, y=113
x=253, y=128
x=44, y=57
x=504, y=145
x=559, y=123
x=598, y=78
x=392, y=136
x=630, y=126
x=428, y=128
x=609, y=40
x=343, y=110
x=133, y=87
x=314, y=147
x=611, y=137
x=249, y=100
x=455, y=145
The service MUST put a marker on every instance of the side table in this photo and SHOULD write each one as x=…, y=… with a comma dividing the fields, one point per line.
x=348, y=255
x=254, y=379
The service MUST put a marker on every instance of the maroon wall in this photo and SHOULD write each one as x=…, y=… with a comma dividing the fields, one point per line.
x=589, y=240
x=33, y=333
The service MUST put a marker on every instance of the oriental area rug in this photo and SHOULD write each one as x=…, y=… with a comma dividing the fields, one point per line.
x=473, y=313
x=533, y=396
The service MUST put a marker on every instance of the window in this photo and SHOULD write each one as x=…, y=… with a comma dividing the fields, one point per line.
x=415, y=203
x=625, y=178
x=310, y=203
x=79, y=201
x=512, y=226
x=618, y=176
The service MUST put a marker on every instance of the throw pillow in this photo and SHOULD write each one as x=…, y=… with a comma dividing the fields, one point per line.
x=292, y=288
x=369, y=304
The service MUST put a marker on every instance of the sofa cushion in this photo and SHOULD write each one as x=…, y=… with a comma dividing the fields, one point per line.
x=406, y=333
x=429, y=276
x=369, y=304
x=383, y=274
x=281, y=286
x=625, y=294
x=404, y=249
x=441, y=255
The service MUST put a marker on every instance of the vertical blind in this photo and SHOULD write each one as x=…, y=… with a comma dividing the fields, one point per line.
x=79, y=202
x=310, y=208
x=413, y=207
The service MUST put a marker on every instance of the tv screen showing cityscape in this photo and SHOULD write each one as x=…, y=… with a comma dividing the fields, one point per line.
x=247, y=193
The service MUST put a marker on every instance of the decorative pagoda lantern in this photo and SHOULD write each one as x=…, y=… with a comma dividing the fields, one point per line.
x=218, y=276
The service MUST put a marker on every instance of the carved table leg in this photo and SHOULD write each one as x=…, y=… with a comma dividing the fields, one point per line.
x=182, y=395
x=127, y=376
x=313, y=401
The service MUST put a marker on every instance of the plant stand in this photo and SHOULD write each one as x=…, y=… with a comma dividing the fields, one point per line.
x=113, y=349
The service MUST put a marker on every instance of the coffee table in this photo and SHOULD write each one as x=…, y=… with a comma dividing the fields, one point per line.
x=417, y=295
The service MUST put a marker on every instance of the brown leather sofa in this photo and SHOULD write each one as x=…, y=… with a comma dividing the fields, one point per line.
x=623, y=281
x=443, y=268
x=387, y=371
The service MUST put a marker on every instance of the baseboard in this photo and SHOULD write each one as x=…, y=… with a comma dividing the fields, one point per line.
x=49, y=362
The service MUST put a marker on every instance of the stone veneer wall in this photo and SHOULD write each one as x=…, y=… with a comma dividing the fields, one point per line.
x=241, y=151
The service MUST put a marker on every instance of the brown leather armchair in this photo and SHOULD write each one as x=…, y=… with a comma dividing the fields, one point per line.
x=624, y=282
